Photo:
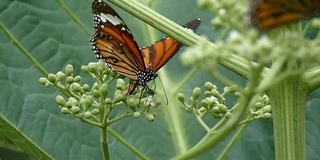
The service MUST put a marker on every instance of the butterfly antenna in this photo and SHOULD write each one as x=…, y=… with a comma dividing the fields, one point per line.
x=143, y=88
x=164, y=91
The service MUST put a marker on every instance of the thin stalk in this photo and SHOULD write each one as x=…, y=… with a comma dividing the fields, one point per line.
x=104, y=143
x=232, y=142
x=125, y=143
x=23, y=50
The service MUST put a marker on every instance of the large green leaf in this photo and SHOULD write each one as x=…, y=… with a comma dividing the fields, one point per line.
x=54, y=39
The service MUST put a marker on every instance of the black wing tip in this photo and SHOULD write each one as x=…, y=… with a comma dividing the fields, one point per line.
x=194, y=24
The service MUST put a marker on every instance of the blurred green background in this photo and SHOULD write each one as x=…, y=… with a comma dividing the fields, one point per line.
x=55, y=40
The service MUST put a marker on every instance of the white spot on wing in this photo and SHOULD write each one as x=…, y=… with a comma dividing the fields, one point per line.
x=114, y=20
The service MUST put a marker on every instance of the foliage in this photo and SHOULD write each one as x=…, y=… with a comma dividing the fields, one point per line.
x=33, y=45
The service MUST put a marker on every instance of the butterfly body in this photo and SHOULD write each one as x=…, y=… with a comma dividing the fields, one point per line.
x=113, y=42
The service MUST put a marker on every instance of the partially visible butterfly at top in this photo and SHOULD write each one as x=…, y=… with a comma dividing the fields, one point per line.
x=113, y=42
x=270, y=14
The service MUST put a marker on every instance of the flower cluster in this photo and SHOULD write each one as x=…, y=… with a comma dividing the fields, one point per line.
x=94, y=103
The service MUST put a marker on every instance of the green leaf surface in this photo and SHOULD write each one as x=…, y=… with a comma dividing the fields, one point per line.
x=54, y=39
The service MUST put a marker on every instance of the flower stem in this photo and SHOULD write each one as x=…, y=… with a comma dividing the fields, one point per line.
x=288, y=100
x=104, y=143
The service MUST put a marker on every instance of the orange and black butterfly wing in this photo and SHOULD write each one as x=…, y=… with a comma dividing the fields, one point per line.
x=156, y=55
x=269, y=14
x=113, y=41
x=159, y=53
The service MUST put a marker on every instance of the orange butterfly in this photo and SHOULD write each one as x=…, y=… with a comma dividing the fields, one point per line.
x=269, y=14
x=113, y=42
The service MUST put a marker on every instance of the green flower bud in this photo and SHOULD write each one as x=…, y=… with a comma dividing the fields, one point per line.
x=208, y=86
x=181, y=97
x=51, y=78
x=136, y=115
x=266, y=109
x=212, y=100
x=84, y=69
x=72, y=102
x=118, y=98
x=83, y=104
x=215, y=115
x=216, y=110
x=191, y=99
x=65, y=110
x=258, y=105
x=132, y=103
x=119, y=87
x=76, y=87
x=48, y=84
x=96, y=93
x=230, y=89
x=215, y=93
x=204, y=103
x=266, y=116
x=95, y=111
x=196, y=93
x=228, y=115
x=117, y=92
x=95, y=86
x=256, y=113
x=202, y=109
x=108, y=101
x=207, y=93
x=60, y=76
x=60, y=100
x=77, y=79
x=91, y=67
x=85, y=87
x=101, y=62
x=87, y=115
x=121, y=82
x=89, y=100
x=150, y=117
x=69, y=70
x=100, y=68
x=223, y=109
x=69, y=80
x=265, y=99
x=43, y=80
x=104, y=89
x=238, y=94
x=75, y=109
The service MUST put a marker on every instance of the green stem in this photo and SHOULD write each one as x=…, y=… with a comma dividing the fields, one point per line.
x=288, y=100
x=215, y=135
x=185, y=80
x=23, y=50
x=233, y=62
x=128, y=145
x=232, y=142
x=104, y=143
x=74, y=17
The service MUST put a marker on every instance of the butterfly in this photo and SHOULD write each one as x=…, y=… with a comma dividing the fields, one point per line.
x=113, y=42
x=269, y=14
